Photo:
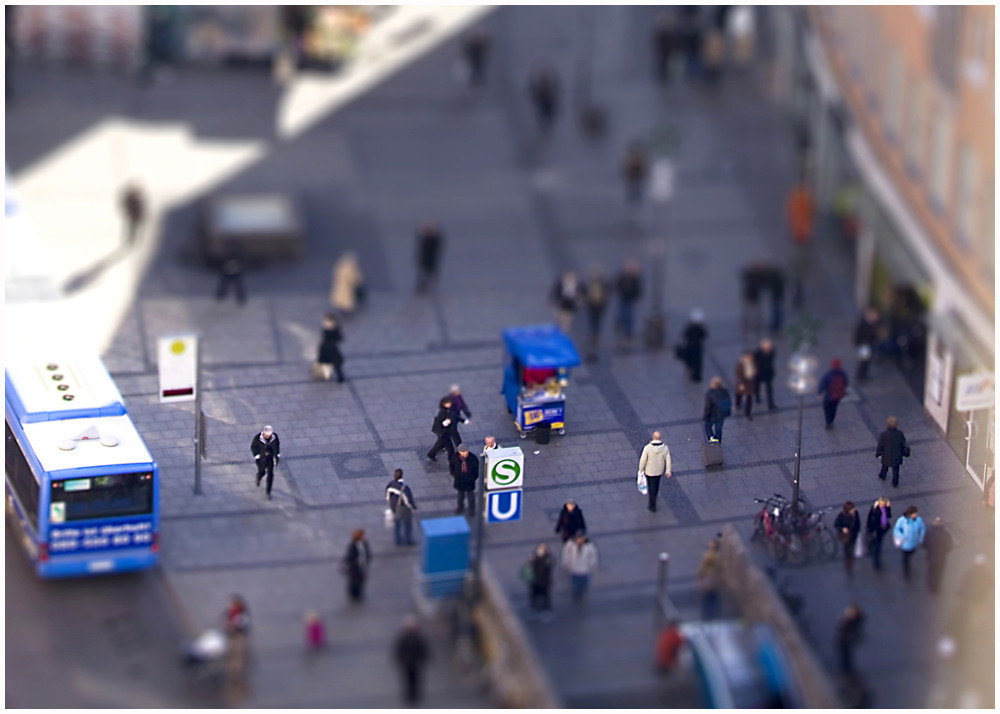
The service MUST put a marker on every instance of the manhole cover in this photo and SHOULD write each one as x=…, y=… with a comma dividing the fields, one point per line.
x=357, y=464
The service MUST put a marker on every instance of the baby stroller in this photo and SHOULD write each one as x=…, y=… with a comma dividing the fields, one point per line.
x=204, y=660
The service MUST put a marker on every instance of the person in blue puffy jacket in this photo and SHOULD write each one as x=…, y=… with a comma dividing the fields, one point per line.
x=908, y=535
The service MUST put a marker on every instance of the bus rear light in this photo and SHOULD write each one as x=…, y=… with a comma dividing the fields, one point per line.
x=43, y=552
x=156, y=543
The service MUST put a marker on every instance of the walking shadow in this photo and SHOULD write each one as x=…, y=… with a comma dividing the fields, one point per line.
x=86, y=277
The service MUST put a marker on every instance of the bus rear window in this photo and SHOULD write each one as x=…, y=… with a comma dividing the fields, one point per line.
x=81, y=499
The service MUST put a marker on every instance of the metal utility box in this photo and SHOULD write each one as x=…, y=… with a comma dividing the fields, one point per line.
x=445, y=559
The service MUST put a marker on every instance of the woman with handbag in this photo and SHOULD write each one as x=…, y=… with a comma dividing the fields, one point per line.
x=848, y=525
x=879, y=523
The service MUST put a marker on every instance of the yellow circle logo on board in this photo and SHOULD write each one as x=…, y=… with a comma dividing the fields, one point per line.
x=177, y=347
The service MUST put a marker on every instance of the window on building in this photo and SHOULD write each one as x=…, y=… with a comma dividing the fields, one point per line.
x=968, y=197
x=945, y=44
x=941, y=159
x=916, y=126
x=894, y=96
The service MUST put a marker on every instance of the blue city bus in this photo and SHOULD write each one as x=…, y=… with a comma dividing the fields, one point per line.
x=82, y=488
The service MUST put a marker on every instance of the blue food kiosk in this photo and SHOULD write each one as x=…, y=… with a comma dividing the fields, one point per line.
x=539, y=358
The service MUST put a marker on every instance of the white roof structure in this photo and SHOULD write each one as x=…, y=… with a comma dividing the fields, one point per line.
x=86, y=443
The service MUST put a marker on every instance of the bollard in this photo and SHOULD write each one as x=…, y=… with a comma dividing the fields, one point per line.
x=661, y=586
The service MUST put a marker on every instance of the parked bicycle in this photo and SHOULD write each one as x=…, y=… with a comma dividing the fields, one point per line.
x=793, y=535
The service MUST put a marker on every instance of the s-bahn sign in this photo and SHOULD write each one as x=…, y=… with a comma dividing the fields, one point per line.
x=504, y=468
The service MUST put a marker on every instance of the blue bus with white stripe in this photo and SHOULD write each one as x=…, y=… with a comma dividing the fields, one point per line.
x=82, y=490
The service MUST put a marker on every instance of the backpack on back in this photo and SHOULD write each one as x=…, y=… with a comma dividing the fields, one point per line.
x=837, y=387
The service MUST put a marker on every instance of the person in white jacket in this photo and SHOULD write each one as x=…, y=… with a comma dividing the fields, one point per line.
x=579, y=557
x=654, y=463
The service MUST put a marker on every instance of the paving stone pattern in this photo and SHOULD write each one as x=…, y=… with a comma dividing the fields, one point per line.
x=515, y=209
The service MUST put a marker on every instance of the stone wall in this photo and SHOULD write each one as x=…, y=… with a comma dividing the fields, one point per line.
x=752, y=591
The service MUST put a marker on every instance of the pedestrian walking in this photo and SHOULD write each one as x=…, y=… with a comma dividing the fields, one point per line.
x=402, y=504
x=847, y=525
x=567, y=294
x=459, y=408
x=579, y=557
x=635, y=169
x=570, y=521
x=315, y=631
x=668, y=646
x=939, y=542
x=665, y=43
x=774, y=281
x=629, y=287
x=133, y=206
x=833, y=387
x=266, y=450
x=746, y=377
x=237, y=658
x=850, y=633
x=348, y=288
x=490, y=444
x=710, y=581
x=445, y=427
x=908, y=535
x=718, y=406
x=654, y=463
x=763, y=358
x=539, y=571
x=475, y=50
x=878, y=524
x=355, y=565
x=231, y=269
x=891, y=449
x=329, y=359
x=412, y=652
x=464, y=472
x=544, y=90
x=800, y=211
x=752, y=279
x=595, y=292
x=691, y=349
x=430, y=242
x=866, y=339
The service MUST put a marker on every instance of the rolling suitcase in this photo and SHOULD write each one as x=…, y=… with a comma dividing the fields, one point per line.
x=711, y=453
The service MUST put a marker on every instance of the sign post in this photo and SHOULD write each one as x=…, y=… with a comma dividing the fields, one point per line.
x=500, y=491
x=179, y=362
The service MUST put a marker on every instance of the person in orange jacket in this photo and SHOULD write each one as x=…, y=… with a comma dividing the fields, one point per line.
x=801, y=213
x=668, y=646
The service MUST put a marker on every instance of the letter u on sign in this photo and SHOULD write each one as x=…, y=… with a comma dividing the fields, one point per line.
x=504, y=506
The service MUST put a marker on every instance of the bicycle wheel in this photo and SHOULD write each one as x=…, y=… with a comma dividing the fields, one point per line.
x=827, y=543
x=797, y=554
x=813, y=547
x=776, y=548
x=758, y=528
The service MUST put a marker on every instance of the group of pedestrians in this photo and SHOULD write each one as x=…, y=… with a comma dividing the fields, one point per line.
x=578, y=557
x=570, y=293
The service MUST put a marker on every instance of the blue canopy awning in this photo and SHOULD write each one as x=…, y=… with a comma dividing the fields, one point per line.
x=541, y=346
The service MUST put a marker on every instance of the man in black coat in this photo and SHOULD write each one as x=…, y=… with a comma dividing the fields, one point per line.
x=266, y=450
x=938, y=543
x=718, y=406
x=411, y=652
x=430, y=240
x=570, y=521
x=446, y=429
x=763, y=358
x=850, y=633
x=464, y=472
x=847, y=526
x=691, y=349
x=891, y=448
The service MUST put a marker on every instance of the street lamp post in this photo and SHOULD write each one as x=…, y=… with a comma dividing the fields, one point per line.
x=802, y=381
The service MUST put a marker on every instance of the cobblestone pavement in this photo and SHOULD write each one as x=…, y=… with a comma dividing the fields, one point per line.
x=516, y=209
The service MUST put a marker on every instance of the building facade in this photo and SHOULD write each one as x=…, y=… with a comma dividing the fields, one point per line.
x=895, y=106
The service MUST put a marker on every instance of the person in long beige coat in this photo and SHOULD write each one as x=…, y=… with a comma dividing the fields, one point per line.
x=347, y=278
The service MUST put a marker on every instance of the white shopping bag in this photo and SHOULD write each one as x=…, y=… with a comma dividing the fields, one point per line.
x=640, y=482
x=390, y=521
